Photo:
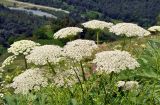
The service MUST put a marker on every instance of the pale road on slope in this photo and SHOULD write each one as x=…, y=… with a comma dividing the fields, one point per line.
x=38, y=6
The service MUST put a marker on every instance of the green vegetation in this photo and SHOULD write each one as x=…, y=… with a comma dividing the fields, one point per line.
x=71, y=81
x=99, y=89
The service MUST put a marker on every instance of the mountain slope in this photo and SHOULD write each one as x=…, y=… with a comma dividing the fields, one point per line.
x=143, y=12
x=15, y=24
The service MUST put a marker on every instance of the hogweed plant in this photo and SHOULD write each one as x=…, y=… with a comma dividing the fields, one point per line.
x=23, y=48
x=128, y=30
x=8, y=61
x=81, y=75
x=154, y=29
x=79, y=50
x=114, y=61
x=127, y=85
x=98, y=26
x=46, y=55
x=29, y=80
x=68, y=32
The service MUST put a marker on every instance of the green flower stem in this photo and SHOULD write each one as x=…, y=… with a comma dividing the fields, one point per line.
x=79, y=81
x=83, y=73
x=52, y=68
x=124, y=43
x=25, y=62
x=97, y=37
x=130, y=39
x=152, y=94
x=111, y=77
x=103, y=83
x=105, y=98
x=80, y=84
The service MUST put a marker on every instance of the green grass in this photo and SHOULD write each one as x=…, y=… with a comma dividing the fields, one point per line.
x=98, y=89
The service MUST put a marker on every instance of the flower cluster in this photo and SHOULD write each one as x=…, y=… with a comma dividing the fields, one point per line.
x=114, y=61
x=129, y=30
x=1, y=69
x=1, y=95
x=154, y=29
x=79, y=49
x=66, y=78
x=67, y=32
x=8, y=61
x=43, y=54
x=96, y=24
x=31, y=79
x=22, y=47
x=129, y=85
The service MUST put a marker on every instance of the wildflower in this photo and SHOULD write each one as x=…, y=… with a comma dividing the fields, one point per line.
x=1, y=69
x=114, y=61
x=154, y=29
x=22, y=47
x=8, y=61
x=66, y=78
x=129, y=30
x=128, y=85
x=31, y=79
x=96, y=24
x=1, y=95
x=67, y=32
x=43, y=54
x=143, y=45
x=121, y=83
x=79, y=49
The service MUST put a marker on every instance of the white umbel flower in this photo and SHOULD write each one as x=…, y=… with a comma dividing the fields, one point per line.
x=43, y=54
x=22, y=47
x=96, y=24
x=129, y=30
x=8, y=61
x=1, y=95
x=66, y=78
x=79, y=49
x=154, y=29
x=1, y=69
x=31, y=79
x=67, y=32
x=114, y=61
x=128, y=85
x=121, y=83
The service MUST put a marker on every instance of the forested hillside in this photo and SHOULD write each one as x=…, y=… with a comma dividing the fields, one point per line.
x=144, y=12
x=15, y=24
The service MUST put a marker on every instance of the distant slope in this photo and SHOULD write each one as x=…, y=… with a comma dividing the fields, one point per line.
x=57, y=12
x=143, y=12
x=25, y=4
x=15, y=24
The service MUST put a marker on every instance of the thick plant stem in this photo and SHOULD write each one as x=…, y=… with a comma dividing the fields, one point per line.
x=83, y=73
x=70, y=39
x=130, y=39
x=102, y=78
x=25, y=62
x=124, y=43
x=52, y=68
x=80, y=84
x=105, y=98
x=111, y=76
x=97, y=37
